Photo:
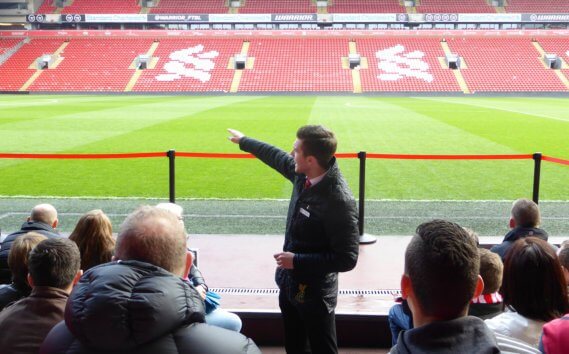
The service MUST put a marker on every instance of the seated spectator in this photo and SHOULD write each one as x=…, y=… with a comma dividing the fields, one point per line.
x=93, y=234
x=533, y=289
x=54, y=268
x=18, y=263
x=439, y=280
x=525, y=220
x=489, y=303
x=564, y=261
x=218, y=316
x=555, y=336
x=140, y=304
x=43, y=220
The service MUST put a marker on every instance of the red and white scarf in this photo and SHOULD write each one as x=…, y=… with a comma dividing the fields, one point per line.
x=494, y=298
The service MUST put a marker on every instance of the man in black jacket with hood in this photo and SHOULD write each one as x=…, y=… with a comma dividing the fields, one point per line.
x=525, y=220
x=140, y=304
x=43, y=220
x=321, y=236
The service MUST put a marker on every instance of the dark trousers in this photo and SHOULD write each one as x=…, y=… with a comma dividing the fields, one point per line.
x=309, y=327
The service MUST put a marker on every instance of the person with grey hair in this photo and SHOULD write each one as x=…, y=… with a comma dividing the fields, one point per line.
x=53, y=269
x=214, y=316
x=525, y=220
x=43, y=220
x=140, y=303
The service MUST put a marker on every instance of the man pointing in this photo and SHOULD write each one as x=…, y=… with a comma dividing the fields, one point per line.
x=321, y=236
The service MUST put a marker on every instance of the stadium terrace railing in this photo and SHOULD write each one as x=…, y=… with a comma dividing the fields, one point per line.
x=362, y=156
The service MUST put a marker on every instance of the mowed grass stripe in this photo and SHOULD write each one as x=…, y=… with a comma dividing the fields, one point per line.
x=396, y=125
x=522, y=130
x=192, y=131
x=387, y=126
x=542, y=107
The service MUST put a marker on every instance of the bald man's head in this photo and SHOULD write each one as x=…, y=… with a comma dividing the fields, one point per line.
x=45, y=213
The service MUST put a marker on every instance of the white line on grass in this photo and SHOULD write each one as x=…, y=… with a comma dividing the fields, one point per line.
x=269, y=199
x=28, y=103
x=257, y=216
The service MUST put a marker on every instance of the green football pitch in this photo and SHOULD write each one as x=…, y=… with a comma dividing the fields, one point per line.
x=402, y=125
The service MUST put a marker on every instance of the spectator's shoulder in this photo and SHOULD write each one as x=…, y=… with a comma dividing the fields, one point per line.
x=512, y=345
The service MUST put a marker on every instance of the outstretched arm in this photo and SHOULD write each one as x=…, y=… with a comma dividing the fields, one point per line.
x=236, y=136
x=276, y=158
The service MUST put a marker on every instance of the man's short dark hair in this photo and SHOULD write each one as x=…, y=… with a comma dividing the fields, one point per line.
x=534, y=284
x=442, y=262
x=526, y=213
x=491, y=270
x=54, y=262
x=564, y=257
x=319, y=142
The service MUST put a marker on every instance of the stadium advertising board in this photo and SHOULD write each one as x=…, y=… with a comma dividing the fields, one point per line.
x=72, y=18
x=490, y=18
x=44, y=18
x=545, y=18
x=281, y=33
x=116, y=18
x=181, y=18
x=441, y=18
x=305, y=18
x=240, y=18
x=363, y=18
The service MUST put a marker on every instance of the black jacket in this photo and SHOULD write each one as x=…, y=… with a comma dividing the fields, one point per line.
x=321, y=228
x=12, y=293
x=515, y=234
x=28, y=226
x=134, y=307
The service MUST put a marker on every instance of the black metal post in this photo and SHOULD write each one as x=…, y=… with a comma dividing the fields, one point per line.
x=364, y=239
x=172, y=174
x=362, y=156
x=536, y=175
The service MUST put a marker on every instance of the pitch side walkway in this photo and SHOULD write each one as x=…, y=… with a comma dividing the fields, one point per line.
x=241, y=268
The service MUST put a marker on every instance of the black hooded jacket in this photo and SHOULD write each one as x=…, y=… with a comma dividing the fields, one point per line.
x=134, y=307
x=515, y=234
x=28, y=226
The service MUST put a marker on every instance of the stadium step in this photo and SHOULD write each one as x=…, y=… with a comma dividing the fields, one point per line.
x=562, y=78
x=37, y=73
x=133, y=80
x=137, y=73
x=239, y=73
x=356, y=77
x=538, y=48
x=457, y=73
x=31, y=80
x=61, y=48
x=152, y=49
x=559, y=73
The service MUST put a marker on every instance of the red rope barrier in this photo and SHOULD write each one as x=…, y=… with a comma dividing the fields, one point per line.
x=556, y=160
x=449, y=157
x=214, y=155
x=82, y=156
x=346, y=155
